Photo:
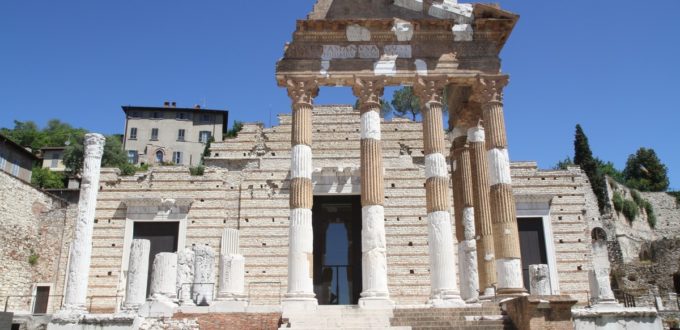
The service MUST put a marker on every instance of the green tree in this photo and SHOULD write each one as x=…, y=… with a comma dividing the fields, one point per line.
x=46, y=179
x=206, y=150
x=385, y=108
x=645, y=172
x=583, y=157
x=54, y=134
x=113, y=156
x=237, y=127
x=406, y=103
x=608, y=169
x=563, y=164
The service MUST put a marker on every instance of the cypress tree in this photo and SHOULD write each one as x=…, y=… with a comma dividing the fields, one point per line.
x=583, y=157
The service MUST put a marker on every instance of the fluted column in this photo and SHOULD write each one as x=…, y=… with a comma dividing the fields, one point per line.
x=138, y=272
x=440, y=234
x=373, y=247
x=489, y=91
x=486, y=262
x=75, y=294
x=464, y=211
x=301, y=235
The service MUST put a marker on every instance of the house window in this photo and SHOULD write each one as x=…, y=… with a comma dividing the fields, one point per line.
x=159, y=156
x=55, y=160
x=180, y=115
x=15, y=168
x=132, y=156
x=157, y=115
x=133, y=133
x=177, y=157
x=204, y=136
x=135, y=114
x=3, y=161
x=154, y=134
x=180, y=135
x=205, y=118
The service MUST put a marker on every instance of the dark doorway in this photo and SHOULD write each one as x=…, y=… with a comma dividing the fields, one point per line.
x=676, y=282
x=337, y=249
x=163, y=237
x=532, y=244
x=42, y=297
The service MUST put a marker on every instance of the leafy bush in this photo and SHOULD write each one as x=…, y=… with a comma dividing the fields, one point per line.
x=618, y=201
x=637, y=198
x=198, y=170
x=127, y=169
x=46, y=179
x=651, y=217
x=142, y=167
x=33, y=258
x=630, y=210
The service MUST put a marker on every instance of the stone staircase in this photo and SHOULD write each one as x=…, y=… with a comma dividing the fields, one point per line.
x=340, y=317
x=487, y=317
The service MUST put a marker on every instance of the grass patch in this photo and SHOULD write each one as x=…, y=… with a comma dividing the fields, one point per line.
x=651, y=217
x=630, y=210
x=617, y=199
x=197, y=171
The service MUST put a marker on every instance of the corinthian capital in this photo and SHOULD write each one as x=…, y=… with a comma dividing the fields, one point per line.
x=94, y=145
x=368, y=90
x=490, y=89
x=302, y=91
x=430, y=89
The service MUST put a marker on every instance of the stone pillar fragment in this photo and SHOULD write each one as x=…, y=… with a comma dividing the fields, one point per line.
x=539, y=280
x=444, y=284
x=486, y=259
x=465, y=218
x=163, y=276
x=75, y=294
x=138, y=271
x=185, y=276
x=600, y=285
x=489, y=92
x=232, y=267
x=300, y=293
x=373, y=247
x=204, y=275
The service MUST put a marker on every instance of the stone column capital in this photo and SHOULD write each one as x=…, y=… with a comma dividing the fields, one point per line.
x=302, y=91
x=368, y=91
x=489, y=89
x=430, y=89
x=94, y=145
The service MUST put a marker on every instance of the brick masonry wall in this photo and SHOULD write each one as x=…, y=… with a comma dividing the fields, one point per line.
x=235, y=321
x=32, y=222
x=246, y=186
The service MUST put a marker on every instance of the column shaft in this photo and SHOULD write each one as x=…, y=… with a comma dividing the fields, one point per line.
x=465, y=219
x=506, y=234
x=373, y=247
x=81, y=250
x=301, y=235
x=440, y=235
x=138, y=271
x=483, y=224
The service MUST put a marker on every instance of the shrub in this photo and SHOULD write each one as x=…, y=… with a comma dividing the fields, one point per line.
x=630, y=210
x=33, y=258
x=142, y=167
x=127, y=169
x=198, y=170
x=46, y=179
x=637, y=198
x=618, y=201
x=676, y=194
x=651, y=217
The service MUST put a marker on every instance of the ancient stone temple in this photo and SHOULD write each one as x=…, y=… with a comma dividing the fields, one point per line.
x=392, y=218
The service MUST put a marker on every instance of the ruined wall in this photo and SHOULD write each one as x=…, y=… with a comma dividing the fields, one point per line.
x=35, y=230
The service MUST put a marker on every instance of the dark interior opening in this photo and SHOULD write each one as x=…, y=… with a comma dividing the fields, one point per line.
x=532, y=244
x=163, y=238
x=676, y=282
x=16, y=326
x=337, y=249
x=42, y=297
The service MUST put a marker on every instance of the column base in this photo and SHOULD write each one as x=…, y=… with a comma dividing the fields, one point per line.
x=511, y=292
x=445, y=299
x=376, y=303
x=70, y=314
x=299, y=304
x=158, y=306
x=489, y=294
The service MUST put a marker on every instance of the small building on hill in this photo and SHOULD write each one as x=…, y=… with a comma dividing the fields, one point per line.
x=16, y=160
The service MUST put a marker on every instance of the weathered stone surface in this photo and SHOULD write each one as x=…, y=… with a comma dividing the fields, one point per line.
x=185, y=276
x=204, y=286
x=138, y=271
x=163, y=276
x=539, y=280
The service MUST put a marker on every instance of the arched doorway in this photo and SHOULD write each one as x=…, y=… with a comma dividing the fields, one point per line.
x=159, y=156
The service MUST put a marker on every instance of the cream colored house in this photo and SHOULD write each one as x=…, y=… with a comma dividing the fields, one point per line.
x=53, y=158
x=156, y=135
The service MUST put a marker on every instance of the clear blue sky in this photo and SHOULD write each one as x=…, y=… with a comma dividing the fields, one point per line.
x=611, y=66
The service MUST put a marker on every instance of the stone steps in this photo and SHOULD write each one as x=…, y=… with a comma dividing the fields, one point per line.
x=487, y=317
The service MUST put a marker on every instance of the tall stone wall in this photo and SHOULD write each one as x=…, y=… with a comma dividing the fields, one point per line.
x=35, y=231
x=246, y=186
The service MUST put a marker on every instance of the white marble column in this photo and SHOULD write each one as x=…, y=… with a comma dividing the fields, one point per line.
x=600, y=285
x=204, y=275
x=232, y=267
x=444, y=284
x=375, y=293
x=137, y=275
x=75, y=294
x=300, y=294
x=185, y=276
x=163, y=276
